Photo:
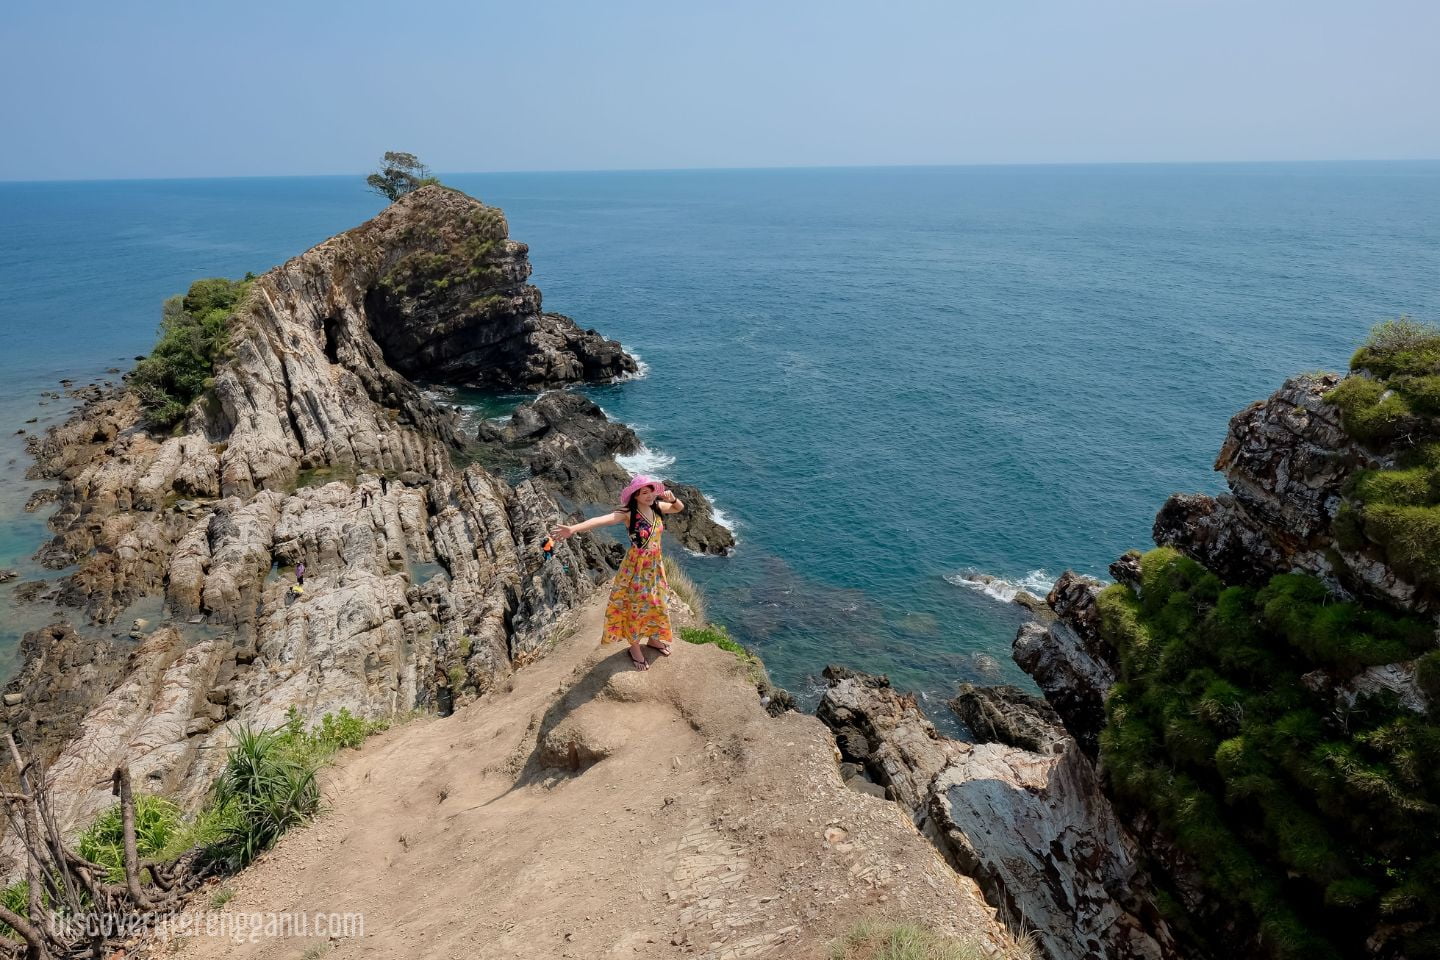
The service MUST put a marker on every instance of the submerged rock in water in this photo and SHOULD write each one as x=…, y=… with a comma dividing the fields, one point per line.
x=1008, y=715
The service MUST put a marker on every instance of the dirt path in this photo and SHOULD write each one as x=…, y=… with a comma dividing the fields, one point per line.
x=700, y=827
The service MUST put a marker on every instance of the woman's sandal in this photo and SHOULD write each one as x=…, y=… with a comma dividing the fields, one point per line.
x=641, y=663
x=664, y=651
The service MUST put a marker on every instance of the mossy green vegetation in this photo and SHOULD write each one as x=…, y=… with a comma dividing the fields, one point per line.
x=1313, y=817
x=194, y=333
x=1391, y=402
x=467, y=256
x=1398, y=509
x=1394, y=388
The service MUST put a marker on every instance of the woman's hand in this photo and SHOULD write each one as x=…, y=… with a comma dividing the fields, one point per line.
x=668, y=496
x=562, y=532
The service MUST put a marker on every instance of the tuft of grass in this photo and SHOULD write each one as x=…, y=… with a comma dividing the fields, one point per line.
x=221, y=897
x=719, y=636
x=16, y=899
x=268, y=786
x=1400, y=347
x=871, y=940
x=158, y=823
x=685, y=588
x=716, y=634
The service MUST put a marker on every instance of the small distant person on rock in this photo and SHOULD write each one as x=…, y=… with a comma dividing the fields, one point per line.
x=300, y=573
x=637, y=609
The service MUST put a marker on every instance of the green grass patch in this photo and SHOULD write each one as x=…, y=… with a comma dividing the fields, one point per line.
x=1392, y=401
x=714, y=633
x=869, y=940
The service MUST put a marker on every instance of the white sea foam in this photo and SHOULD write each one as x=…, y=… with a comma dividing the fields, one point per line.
x=1036, y=583
x=642, y=369
x=722, y=518
x=647, y=461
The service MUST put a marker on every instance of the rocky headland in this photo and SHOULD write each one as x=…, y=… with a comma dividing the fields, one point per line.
x=425, y=584
x=1229, y=756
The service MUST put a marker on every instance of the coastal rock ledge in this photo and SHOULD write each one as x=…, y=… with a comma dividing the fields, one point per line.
x=1027, y=820
x=424, y=583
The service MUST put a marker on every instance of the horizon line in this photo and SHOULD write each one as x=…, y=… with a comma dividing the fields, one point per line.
x=739, y=169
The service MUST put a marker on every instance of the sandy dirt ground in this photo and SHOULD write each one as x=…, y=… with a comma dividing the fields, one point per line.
x=593, y=810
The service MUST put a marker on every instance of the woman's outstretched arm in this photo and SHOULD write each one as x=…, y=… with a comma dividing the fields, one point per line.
x=564, y=530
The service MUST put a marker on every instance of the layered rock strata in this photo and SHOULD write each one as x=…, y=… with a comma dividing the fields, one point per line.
x=1032, y=827
x=424, y=578
x=1287, y=460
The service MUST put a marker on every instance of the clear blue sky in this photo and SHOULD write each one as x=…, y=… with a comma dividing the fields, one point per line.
x=181, y=88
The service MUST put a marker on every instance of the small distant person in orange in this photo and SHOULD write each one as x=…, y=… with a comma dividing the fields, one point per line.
x=637, y=609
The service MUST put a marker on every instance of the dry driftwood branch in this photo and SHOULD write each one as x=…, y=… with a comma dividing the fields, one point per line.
x=63, y=882
x=132, y=856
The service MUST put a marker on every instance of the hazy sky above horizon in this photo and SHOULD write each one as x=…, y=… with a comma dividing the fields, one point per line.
x=179, y=88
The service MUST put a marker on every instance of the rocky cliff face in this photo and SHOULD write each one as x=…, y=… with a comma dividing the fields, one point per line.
x=1287, y=460
x=424, y=581
x=1023, y=815
x=1292, y=470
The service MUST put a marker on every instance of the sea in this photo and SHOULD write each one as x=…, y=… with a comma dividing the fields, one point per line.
x=889, y=380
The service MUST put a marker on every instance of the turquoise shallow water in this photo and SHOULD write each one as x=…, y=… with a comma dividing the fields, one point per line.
x=883, y=377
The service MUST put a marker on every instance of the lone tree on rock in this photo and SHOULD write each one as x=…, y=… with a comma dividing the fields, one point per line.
x=399, y=174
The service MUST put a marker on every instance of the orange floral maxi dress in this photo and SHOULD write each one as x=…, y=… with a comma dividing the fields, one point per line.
x=637, y=612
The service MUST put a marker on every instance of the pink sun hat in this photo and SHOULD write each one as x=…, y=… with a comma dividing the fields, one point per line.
x=641, y=480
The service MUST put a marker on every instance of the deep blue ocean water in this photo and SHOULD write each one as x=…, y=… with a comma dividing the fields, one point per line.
x=884, y=377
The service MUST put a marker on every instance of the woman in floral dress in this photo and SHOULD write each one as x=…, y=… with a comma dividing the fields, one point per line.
x=637, y=611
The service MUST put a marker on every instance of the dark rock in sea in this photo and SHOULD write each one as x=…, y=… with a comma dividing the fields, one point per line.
x=1069, y=660
x=40, y=498
x=29, y=591
x=1008, y=715
x=7, y=575
x=777, y=700
x=451, y=303
x=567, y=444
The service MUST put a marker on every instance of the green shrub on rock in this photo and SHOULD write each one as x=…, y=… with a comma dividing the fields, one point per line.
x=1400, y=347
x=1314, y=816
x=194, y=332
